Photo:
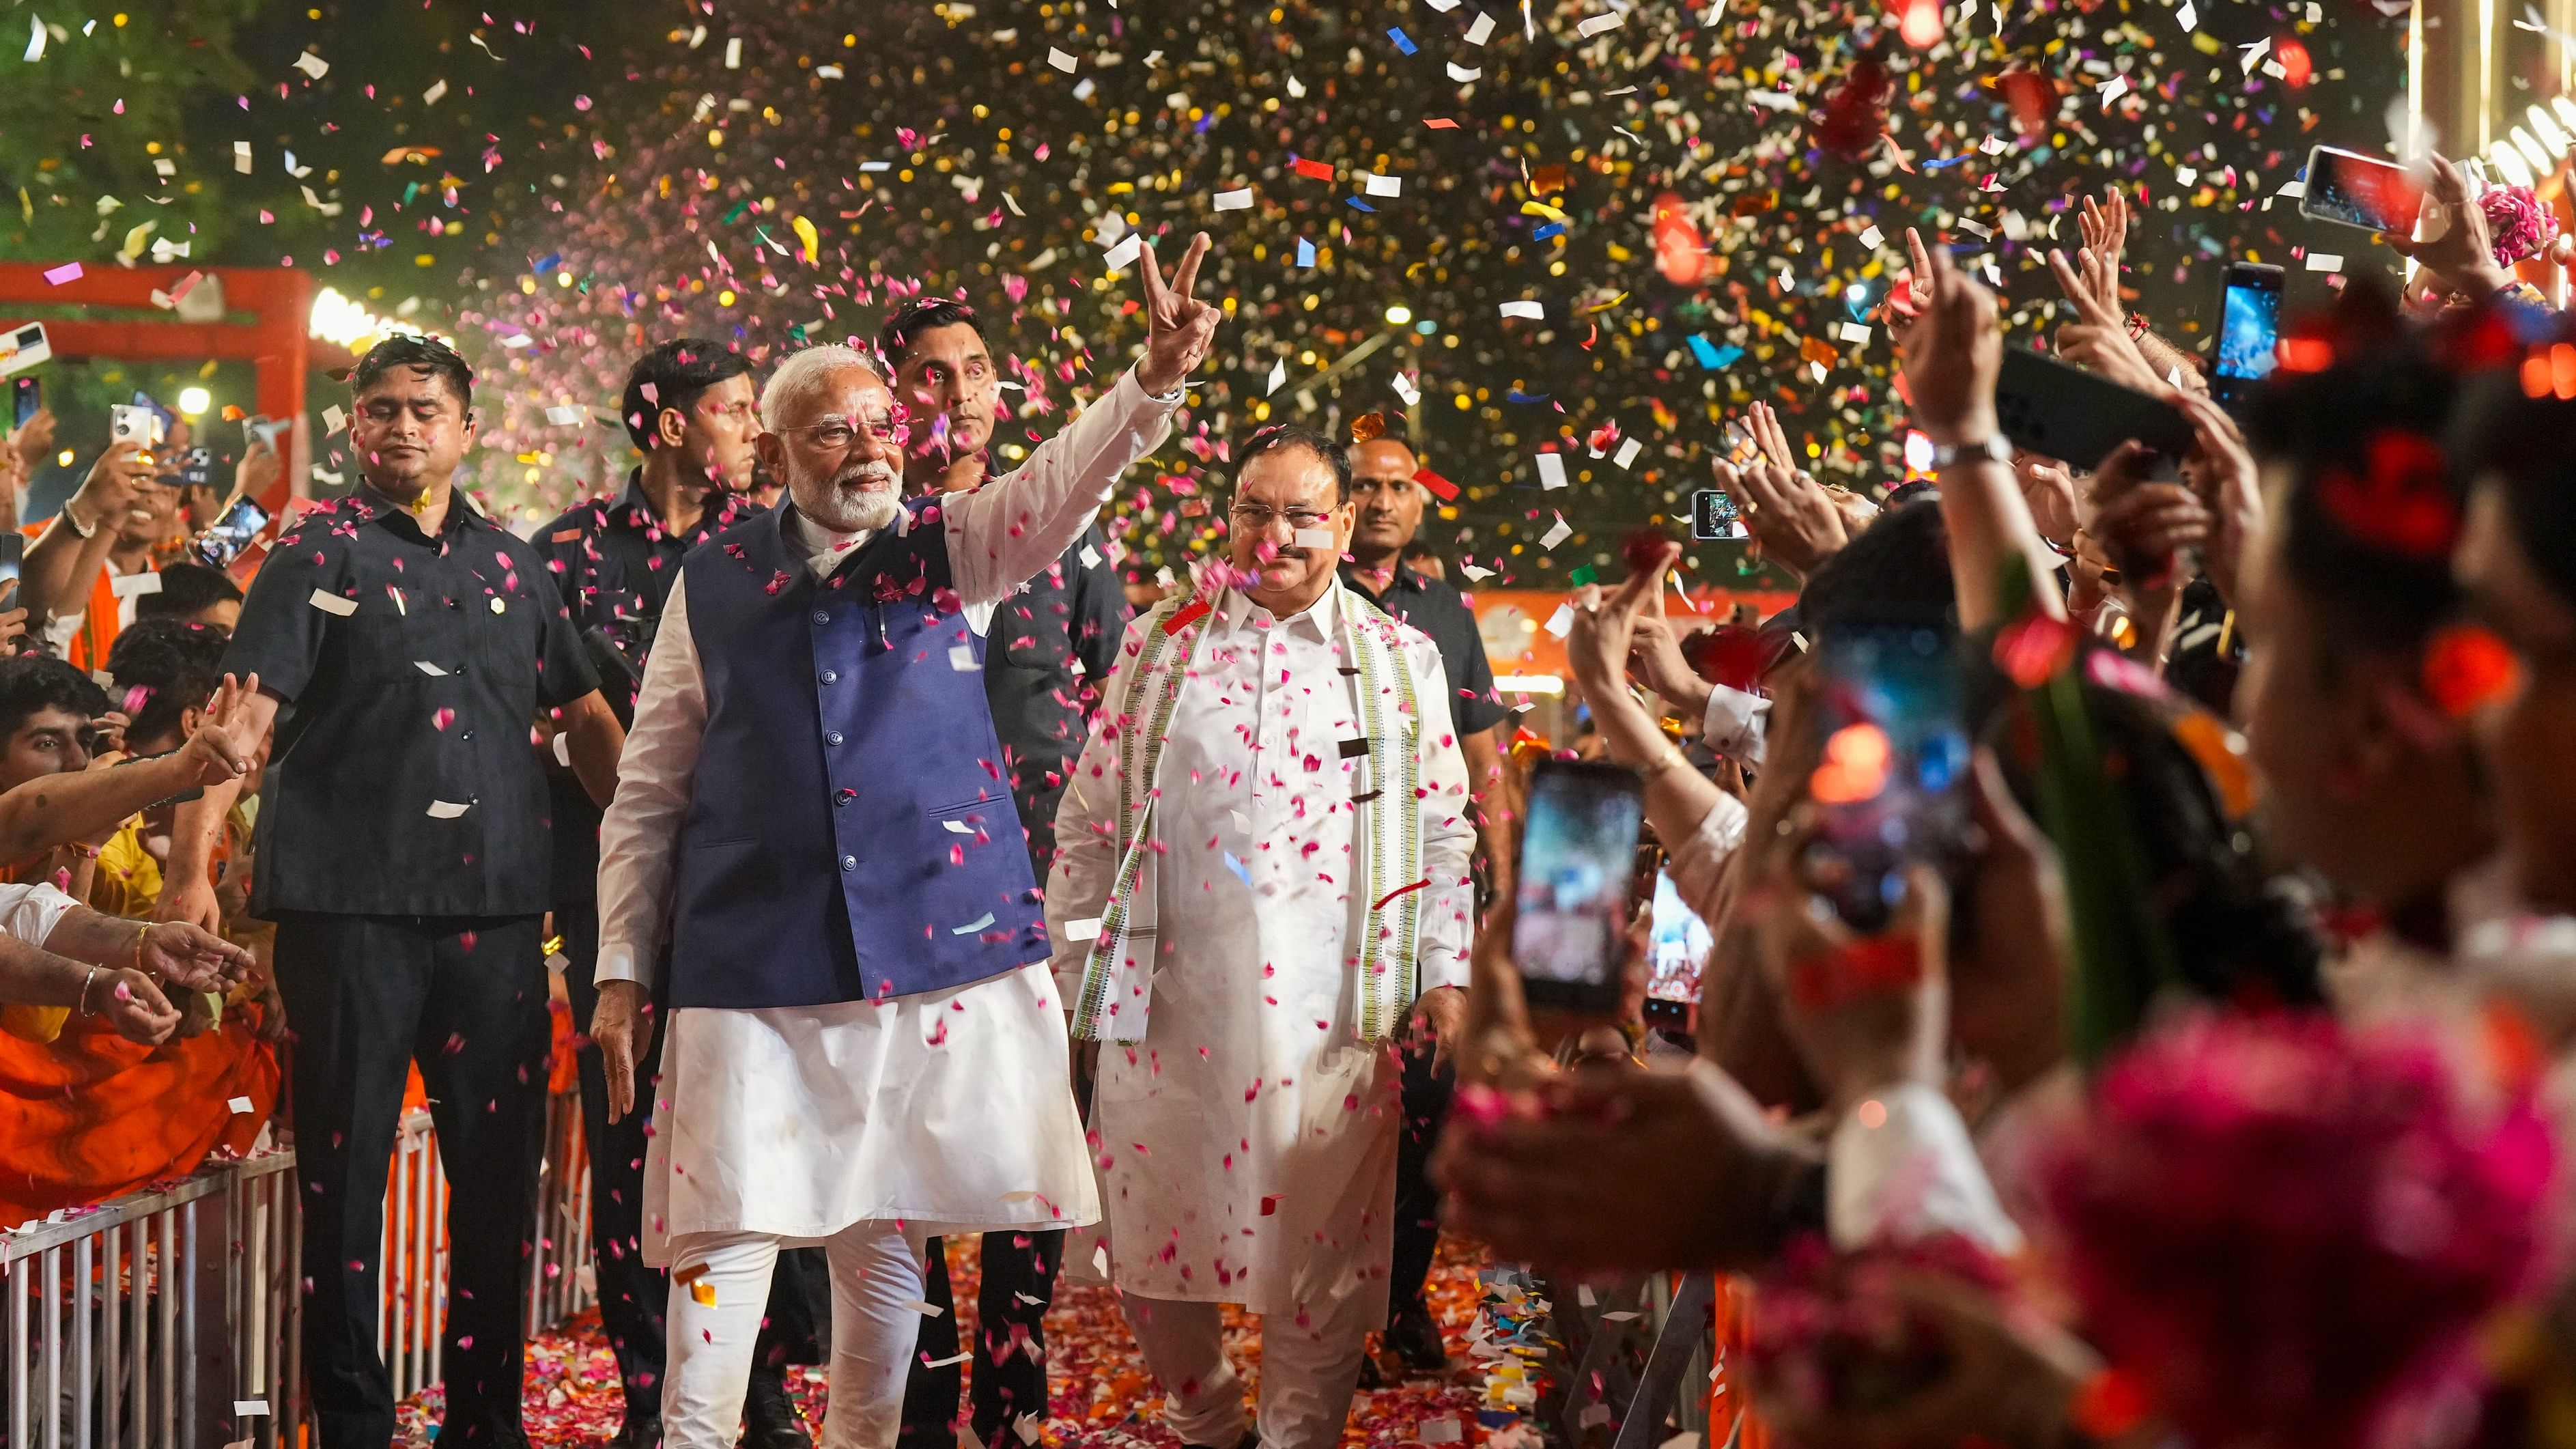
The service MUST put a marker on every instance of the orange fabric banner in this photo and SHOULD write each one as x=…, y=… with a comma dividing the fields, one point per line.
x=91, y=1115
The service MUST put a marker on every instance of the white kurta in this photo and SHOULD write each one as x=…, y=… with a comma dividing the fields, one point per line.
x=951, y=1110
x=1247, y=1144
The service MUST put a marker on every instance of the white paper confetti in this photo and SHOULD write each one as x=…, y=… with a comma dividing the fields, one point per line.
x=733, y=53
x=1551, y=470
x=1060, y=60
x=1320, y=539
x=563, y=751
x=1857, y=332
x=1481, y=31
x=982, y=922
x=241, y=157
x=249, y=1408
x=313, y=65
x=446, y=810
x=1561, y=623
x=1531, y=310
x=437, y=91
x=239, y=1105
x=127, y=586
x=331, y=603
x=1086, y=929
x=2189, y=18
x=36, y=40
x=1628, y=451
x=1376, y=185
x=961, y=657
x=1278, y=375
x=566, y=416
x=923, y=1307
x=1463, y=73
x=1557, y=534
x=1405, y=389
x=1872, y=237
x=1123, y=255
x=333, y=419
x=2325, y=262
x=1234, y=200
x=1593, y=25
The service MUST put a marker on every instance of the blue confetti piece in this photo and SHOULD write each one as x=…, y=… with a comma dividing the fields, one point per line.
x=1518, y=396
x=1553, y=228
x=1305, y=252
x=1946, y=162
x=1242, y=872
x=1727, y=355
x=1710, y=355
x=547, y=263
x=1362, y=205
x=1403, y=42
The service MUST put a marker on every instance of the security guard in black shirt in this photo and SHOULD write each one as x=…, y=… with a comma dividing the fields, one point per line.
x=403, y=643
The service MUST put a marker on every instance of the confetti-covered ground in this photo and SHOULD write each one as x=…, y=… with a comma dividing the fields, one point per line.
x=1103, y=1395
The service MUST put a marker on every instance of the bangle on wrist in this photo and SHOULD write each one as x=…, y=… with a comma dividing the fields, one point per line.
x=1653, y=769
x=1992, y=448
x=85, y=984
x=85, y=530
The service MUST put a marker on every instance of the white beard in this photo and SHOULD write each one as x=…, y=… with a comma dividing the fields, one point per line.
x=860, y=502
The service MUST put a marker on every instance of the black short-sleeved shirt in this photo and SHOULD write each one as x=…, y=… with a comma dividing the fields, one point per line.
x=412, y=670
x=1073, y=610
x=614, y=563
x=1435, y=607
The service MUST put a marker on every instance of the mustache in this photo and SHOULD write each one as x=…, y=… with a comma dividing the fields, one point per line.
x=861, y=475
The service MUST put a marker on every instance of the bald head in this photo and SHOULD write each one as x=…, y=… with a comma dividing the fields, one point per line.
x=1388, y=501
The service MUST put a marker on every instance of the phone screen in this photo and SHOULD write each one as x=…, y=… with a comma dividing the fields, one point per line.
x=223, y=543
x=1715, y=515
x=29, y=393
x=1578, y=856
x=2362, y=191
x=2249, y=333
x=1677, y=946
x=13, y=553
x=1887, y=789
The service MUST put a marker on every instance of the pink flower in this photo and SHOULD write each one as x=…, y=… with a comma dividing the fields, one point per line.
x=2517, y=223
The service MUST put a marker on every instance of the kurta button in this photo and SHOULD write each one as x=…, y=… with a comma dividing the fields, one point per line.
x=822, y=616
x=831, y=677
x=832, y=737
x=849, y=862
x=844, y=795
x=469, y=734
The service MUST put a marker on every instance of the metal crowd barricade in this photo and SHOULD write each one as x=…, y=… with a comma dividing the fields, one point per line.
x=144, y=1322
x=170, y=1318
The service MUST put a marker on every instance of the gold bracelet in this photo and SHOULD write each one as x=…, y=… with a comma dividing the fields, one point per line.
x=142, y=933
x=1649, y=773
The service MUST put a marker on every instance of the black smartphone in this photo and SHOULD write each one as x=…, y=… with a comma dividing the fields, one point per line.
x=218, y=546
x=1578, y=861
x=1677, y=947
x=2350, y=189
x=2249, y=330
x=13, y=556
x=1715, y=515
x=29, y=395
x=1888, y=790
x=2059, y=410
x=197, y=467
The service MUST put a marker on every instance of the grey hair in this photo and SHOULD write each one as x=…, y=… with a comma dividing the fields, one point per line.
x=802, y=372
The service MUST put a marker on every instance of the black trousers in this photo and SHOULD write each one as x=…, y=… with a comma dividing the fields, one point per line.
x=632, y=1293
x=466, y=999
x=1010, y=1352
x=1425, y=1095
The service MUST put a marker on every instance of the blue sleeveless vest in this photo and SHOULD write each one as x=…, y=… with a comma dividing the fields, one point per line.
x=850, y=832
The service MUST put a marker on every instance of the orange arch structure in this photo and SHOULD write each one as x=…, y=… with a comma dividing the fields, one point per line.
x=278, y=302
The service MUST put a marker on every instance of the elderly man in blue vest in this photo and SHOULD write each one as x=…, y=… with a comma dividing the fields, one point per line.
x=865, y=1046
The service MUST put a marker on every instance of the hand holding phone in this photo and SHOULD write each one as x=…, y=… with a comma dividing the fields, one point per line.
x=1885, y=786
x=1577, y=868
x=2249, y=330
x=2350, y=189
x=2059, y=411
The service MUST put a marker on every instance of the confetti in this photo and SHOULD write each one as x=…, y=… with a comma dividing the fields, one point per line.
x=313, y=65
x=1480, y=32
x=1060, y=60
x=1531, y=310
x=1551, y=470
x=1557, y=534
x=446, y=810
x=1234, y=200
x=980, y=923
x=67, y=272
x=331, y=603
x=239, y=1105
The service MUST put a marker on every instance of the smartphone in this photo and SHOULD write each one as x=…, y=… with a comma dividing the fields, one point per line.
x=1888, y=789
x=127, y=423
x=220, y=545
x=1578, y=861
x=23, y=347
x=2059, y=410
x=197, y=468
x=2350, y=189
x=28, y=394
x=13, y=554
x=260, y=429
x=2249, y=330
x=1677, y=947
x=1715, y=515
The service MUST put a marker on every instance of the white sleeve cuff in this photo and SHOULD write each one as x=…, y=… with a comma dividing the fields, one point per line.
x=1737, y=724
x=31, y=912
x=621, y=962
x=1900, y=1166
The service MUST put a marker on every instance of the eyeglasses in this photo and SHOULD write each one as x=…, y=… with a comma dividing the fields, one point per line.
x=834, y=435
x=1257, y=518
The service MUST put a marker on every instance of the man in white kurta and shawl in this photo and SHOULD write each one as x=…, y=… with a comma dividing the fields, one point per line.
x=866, y=1047
x=1261, y=888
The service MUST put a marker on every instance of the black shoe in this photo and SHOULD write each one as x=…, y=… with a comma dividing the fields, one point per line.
x=1414, y=1336
x=769, y=1418
x=638, y=1434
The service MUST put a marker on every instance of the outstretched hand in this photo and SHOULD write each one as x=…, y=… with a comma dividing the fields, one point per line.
x=227, y=740
x=1182, y=325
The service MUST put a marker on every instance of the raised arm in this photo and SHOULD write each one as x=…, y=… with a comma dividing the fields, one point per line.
x=1001, y=534
x=187, y=895
x=55, y=809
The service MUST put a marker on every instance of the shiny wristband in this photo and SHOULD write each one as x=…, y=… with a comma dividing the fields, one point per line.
x=1990, y=448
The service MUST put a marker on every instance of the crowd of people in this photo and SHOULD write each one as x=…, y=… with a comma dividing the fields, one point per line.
x=902, y=886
